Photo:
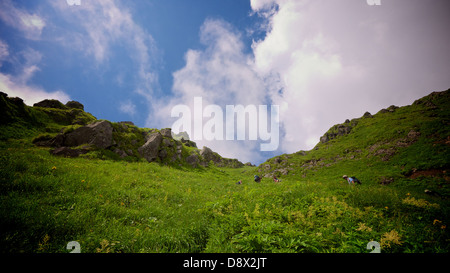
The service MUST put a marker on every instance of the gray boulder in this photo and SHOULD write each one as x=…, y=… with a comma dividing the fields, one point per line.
x=68, y=152
x=150, y=149
x=209, y=155
x=98, y=134
x=193, y=160
x=74, y=104
x=367, y=115
x=166, y=132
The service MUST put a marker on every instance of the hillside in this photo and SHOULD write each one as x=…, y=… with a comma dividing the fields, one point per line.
x=395, y=143
x=112, y=202
x=71, y=132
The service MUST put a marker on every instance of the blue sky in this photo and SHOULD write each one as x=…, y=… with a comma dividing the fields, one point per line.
x=321, y=61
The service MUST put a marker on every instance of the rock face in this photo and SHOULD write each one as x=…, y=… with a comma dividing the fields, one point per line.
x=209, y=155
x=68, y=152
x=72, y=132
x=193, y=160
x=59, y=105
x=338, y=130
x=167, y=132
x=275, y=167
x=367, y=115
x=75, y=104
x=50, y=104
x=98, y=134
x=151, y=148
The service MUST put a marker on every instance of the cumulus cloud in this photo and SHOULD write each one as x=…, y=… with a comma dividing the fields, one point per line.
x=221, y=74
x=321, y=61
x=335, y=60
x=31, y=25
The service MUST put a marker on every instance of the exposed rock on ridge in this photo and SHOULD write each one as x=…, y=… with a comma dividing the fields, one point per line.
x=121, y=140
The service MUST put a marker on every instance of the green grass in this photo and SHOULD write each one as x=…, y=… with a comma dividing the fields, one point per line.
x=128, y=206
x=110, y=206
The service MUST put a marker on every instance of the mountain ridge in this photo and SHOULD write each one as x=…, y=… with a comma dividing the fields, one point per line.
x=72, y=132
x=394, y=135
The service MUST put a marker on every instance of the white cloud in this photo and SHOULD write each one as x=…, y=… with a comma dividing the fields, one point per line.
x=128, y=107
x=221, y=74
x=30, y=94
x=335, y=60
x=302, y=60
x=19, y=86
x=31, y=25
x=4, y=51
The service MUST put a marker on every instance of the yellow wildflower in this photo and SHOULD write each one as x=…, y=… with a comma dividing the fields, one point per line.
x=389, y=238
x=363, y=227
x=53, y=168
x=436, y=221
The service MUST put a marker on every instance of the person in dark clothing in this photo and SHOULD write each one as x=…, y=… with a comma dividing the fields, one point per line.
x=351, y=180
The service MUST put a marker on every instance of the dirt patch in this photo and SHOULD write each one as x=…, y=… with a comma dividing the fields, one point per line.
x=432, y=173
x=387, y=149
x=443, y=141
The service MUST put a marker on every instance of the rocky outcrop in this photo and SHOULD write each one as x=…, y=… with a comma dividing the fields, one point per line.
x=390, y=109
x=387, y=149
x=367, y=115
x=275, y=167
x=75, y=105
x=193, y=160
x=50, y=104
x=166, y=132
x=98, y=134
x=121, y=140
x=338, y=130
x=68, y=152
x=56, y=104
x=150, y=149
x=209, y=155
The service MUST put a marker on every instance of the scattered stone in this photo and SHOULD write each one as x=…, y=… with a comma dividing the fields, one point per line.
x=150, y=149
x=68, y=152
x=386, y=180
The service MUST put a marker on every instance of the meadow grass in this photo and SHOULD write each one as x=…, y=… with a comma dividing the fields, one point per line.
x=118, y=206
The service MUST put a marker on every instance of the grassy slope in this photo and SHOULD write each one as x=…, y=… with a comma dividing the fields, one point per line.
x=118, y=206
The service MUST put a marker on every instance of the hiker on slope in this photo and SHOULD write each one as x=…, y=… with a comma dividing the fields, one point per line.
x=351, y=180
